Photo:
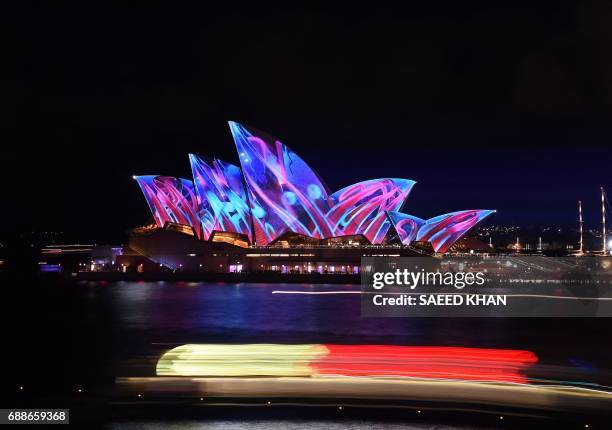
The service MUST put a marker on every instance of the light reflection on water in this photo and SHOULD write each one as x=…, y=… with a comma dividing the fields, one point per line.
x=186, y=312
x=145, y=319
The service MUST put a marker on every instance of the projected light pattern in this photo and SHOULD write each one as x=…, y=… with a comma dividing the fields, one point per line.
x=444, y=230
x=312, y=360
x=171, y=200
x=276, y=192
x=406, y=226
x=285, y=194
x=441, y=231
x=221, y=197
x=360, y=208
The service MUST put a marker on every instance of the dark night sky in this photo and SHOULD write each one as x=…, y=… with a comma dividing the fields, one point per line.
x=503, y=105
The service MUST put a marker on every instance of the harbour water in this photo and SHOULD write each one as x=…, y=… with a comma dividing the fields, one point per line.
x=63, y=335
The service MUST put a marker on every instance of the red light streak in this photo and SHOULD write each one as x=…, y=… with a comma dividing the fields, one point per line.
x=425, y=362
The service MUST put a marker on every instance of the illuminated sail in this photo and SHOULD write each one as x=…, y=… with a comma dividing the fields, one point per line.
x=171, y=200
x=221, y=197
x=361, y=208
x=285, y=194
x=441, y=231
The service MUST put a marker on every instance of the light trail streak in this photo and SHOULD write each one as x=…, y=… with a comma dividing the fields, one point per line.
x=315, y=360
x=537, y=296
x=447, y=394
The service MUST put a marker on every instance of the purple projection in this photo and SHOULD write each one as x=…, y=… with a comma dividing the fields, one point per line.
x=221, y=197
x=441, y=231
x=444, y=230
x=171, y=200
x=361, y=208
x=285, y=194
x=406, y=226
x=276, y=192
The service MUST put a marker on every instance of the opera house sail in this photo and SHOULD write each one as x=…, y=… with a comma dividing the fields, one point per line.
x=285, y=194
x=171, y=200
x=274, y=192
x=221, y=197
x=361, y=208
x=441, y=231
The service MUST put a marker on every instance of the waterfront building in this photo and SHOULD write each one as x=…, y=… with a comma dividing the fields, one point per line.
x=275, y=213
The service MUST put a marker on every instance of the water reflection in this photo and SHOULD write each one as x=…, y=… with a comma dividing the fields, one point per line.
x=168, y=314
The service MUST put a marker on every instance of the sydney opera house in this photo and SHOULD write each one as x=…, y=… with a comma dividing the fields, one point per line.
x=274, y=213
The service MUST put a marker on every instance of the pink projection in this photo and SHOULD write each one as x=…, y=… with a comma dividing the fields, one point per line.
x=171, y=200
x=441, y=231
x=285, y=194
x=361, y=208
x=275, y=192
x=221, y=197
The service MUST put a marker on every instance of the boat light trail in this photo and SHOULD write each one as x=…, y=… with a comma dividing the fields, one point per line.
x=322, y=360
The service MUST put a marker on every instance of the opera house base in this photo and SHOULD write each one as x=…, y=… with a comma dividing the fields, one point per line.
x=230, y=278
x=161, y=253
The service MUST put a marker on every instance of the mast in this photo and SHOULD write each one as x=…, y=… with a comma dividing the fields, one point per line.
x=581, y=250
x=603, y=221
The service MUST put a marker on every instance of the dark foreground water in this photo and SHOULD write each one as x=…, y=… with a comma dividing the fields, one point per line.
x=60, y=336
